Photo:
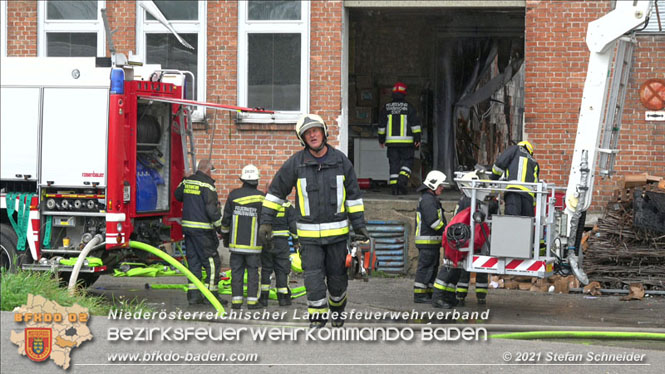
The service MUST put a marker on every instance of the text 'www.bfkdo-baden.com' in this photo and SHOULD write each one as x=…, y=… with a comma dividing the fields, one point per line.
x=155, y=356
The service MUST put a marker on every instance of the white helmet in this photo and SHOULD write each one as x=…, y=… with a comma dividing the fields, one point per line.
x=434, y=179
x=250, y=174
x=308, y=121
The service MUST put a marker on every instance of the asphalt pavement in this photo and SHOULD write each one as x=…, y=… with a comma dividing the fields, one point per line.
x=388, y=334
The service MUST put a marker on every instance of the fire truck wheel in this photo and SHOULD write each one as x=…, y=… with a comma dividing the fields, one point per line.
x=8, y=254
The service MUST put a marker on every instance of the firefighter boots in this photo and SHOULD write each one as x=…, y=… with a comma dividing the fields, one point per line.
x=422, y=298
x=284, y=299
x=194, y=297
x=444, y=299
x=481, y=298
x=263, y=300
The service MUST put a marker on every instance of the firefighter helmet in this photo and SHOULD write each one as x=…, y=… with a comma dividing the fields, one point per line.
x=307, y=122
x=434, y=179
x=249, y=174
x=526, y=145
x=399, y=87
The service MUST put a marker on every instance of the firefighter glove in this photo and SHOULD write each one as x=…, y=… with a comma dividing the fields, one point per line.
x=362, y=231
x=265, y=235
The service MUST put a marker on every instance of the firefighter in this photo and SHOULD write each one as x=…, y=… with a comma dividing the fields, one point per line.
x=517, y=163
x=399, y=129
x=240, y=224
x=277, y=258
x=430, y=223
x=327, y=197
x=201, y=217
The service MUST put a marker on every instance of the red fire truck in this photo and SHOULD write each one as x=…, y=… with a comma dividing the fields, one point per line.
x=91, y=154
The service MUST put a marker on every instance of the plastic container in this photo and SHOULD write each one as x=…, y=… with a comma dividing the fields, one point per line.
x=364, y=183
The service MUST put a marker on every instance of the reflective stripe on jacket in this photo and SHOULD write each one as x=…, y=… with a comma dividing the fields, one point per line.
x=327, y=194
x=201, y=209
x=242, y=212
x=430, y=221
x=284, y=223
x=399, y=124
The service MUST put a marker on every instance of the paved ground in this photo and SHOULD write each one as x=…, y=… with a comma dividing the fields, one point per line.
x=508, y=310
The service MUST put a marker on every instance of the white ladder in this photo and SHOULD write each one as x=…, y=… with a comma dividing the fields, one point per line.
x=615, y=102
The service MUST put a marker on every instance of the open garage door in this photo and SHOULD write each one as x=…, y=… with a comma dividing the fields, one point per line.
x=463, y=65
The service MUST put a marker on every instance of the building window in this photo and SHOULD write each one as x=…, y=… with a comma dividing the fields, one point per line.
x=273, y=58
x=157, y=45
x=71, y=28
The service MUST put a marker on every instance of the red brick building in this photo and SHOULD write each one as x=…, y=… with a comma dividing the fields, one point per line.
x=336, y=58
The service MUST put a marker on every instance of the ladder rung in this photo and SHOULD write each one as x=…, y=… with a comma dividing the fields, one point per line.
x=608, y=151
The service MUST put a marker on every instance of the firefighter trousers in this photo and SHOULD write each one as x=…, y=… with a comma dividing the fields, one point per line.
x=428, y=266
x=239, y=263
x=462, y=287
x=518, y=204
x=276, y=259
x=323, y=264
x=201, y=246
x=400, y=160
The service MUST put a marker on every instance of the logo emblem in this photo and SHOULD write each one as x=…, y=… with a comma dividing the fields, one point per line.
x=38, y=343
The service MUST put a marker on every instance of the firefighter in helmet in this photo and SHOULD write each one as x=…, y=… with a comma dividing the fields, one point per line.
x=517, y=163
x=201, y=217
x=240, y=225
x=327, y=197
x=399, y=130
x=430, y=223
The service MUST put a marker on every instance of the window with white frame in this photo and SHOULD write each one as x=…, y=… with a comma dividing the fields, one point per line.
x=273, y=58
x=157, y=45
x=70, y=28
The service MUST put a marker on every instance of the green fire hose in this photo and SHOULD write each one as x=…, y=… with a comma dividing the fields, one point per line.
x=152, y=250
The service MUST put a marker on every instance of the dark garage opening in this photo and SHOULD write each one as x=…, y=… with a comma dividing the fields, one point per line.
x=465, y=75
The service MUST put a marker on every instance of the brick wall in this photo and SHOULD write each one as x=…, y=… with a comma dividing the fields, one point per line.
x=21, y=28
x=556, y=62
x=266, y=146
x=122, y=19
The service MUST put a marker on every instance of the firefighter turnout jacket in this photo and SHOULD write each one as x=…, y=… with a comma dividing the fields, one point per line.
x=284, y=224
x=200, y=205
x=327, y=194
x=240, y=223
x=399, y=125
x=430, y=221
x=519, y=165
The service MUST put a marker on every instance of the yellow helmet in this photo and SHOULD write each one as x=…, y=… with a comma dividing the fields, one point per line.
x=526, y=145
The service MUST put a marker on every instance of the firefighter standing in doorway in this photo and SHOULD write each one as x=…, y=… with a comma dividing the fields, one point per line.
x=399, y=129
x=277, y=257
x=430, y=223
x=201, y=222
x=517, y=163
x=240, y=226
x=327, y=197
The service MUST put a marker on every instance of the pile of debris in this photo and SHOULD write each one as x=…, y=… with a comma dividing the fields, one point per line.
x=627, y=245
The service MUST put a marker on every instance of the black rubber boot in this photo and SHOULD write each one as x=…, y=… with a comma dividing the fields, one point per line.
x=460, y=301
x=263, y=300
x=395, y=189
x=422, y=298
x=448, y=300
x=481, y=298
x=194, y=297
x=284, y=299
